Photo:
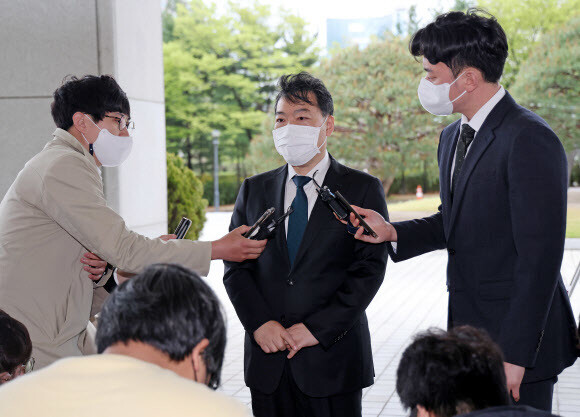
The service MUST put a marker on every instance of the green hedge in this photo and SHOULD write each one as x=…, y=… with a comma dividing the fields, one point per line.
x=229, y=187
x=184, y=197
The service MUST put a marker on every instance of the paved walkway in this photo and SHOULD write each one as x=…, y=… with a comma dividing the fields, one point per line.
x=412, y=298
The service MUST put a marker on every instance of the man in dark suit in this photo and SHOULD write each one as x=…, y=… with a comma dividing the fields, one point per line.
x=308, y=292
x=502, y=219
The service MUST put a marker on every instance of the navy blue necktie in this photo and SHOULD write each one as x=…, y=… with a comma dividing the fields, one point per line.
x=298, y=218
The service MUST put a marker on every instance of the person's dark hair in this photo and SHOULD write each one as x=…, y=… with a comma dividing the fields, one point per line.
x=295, y=88
x=15, y=344
x=91, y=94
x=459, y=40
x=170, y=308
x=454, y=372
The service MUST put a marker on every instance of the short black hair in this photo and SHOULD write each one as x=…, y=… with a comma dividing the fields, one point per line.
x=295, y=87
x=170, y=308
x=459, y=40
x=454, y=372
x=91, y=94
x=15, y=344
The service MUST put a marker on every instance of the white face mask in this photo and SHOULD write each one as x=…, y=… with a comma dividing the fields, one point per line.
x=111, y=150
x=435, y=98
x=298, y=144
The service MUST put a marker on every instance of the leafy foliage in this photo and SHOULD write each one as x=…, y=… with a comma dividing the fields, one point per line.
x=380, y=124
x=549, y=82
x=184, y=197
x=525, y=22
x=221, y=73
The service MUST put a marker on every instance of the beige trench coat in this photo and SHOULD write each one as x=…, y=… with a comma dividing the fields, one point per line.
x=52, y=214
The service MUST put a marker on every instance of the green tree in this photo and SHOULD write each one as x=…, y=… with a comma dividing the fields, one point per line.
x=184, y=197
x=549, y=82
x=525, y=22
x=380, y=124
x=262, y=155
x=221, y=72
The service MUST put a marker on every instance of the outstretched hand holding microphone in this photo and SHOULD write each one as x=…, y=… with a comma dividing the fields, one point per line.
x=384, y=230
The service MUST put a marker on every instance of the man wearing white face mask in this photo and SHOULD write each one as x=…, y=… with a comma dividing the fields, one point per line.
x=502, y=219
x=55, y=213
x=302, y=303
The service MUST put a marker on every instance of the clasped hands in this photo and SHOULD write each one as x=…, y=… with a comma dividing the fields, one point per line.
x=273, y=337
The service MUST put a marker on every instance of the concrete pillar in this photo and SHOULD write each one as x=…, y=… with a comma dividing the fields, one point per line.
x=42, y=42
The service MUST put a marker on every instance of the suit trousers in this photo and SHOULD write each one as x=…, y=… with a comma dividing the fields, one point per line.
x=288, y=401
x=537, y=394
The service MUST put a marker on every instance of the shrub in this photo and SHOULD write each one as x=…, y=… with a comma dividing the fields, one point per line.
x=184, y=197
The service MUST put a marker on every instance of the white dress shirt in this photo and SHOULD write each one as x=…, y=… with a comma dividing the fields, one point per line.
x=309, y=189
x=476, y=122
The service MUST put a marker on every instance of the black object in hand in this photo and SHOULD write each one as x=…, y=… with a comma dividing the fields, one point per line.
x=341, y=207
x=263, y=218
x=266, y=230
x=182, y=228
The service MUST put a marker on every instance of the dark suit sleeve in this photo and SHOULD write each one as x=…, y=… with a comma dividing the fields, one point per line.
x=365, y=276
x=537, y=180
x=419, y=236
x=248, y=302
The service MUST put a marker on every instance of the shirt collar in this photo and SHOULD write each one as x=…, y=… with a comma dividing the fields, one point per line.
x=321, y=167
x=477, y=120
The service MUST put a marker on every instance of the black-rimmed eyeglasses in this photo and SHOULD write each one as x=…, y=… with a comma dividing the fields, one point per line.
x=124, y=122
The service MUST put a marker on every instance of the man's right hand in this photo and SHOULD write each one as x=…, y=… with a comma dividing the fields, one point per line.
x=236, y=248
x=385, y=230
x=273, y=337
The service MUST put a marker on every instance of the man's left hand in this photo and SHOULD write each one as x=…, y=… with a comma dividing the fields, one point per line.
x=94, y=265
x=514, y=375
x=302, y=337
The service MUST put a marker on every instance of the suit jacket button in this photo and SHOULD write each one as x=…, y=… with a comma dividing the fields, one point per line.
x=451, y=251
x=290, y=282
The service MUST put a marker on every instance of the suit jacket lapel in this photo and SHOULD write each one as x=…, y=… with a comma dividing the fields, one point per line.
x=276, y=187
x=320, y=212
x=448, y=151
x=483, y=139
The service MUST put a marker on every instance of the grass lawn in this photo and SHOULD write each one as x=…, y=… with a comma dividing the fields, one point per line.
x=430, y=204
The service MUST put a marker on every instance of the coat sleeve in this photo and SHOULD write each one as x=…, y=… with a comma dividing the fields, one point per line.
x=248, y=301
x=364, y=278
x=72, y=195
x=537, y=179
x=418, y=236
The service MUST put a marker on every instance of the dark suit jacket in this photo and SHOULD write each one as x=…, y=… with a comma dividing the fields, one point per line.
x=504, y=232
x=334, y=278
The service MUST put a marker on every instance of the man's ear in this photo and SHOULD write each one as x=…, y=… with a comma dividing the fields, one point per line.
x=80, y=122
x=197, y=354
x=329, y=125
x=473, y=78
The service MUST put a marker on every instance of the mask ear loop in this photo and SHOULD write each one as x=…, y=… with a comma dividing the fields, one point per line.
x=461, y=95
x=325, y=137
x=91, y=151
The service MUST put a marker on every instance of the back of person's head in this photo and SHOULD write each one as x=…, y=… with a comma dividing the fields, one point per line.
x=460, y=40
x=91, y=94
x=297, y=87
x=450, y=373
x=170, y=308
x=15, y=347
